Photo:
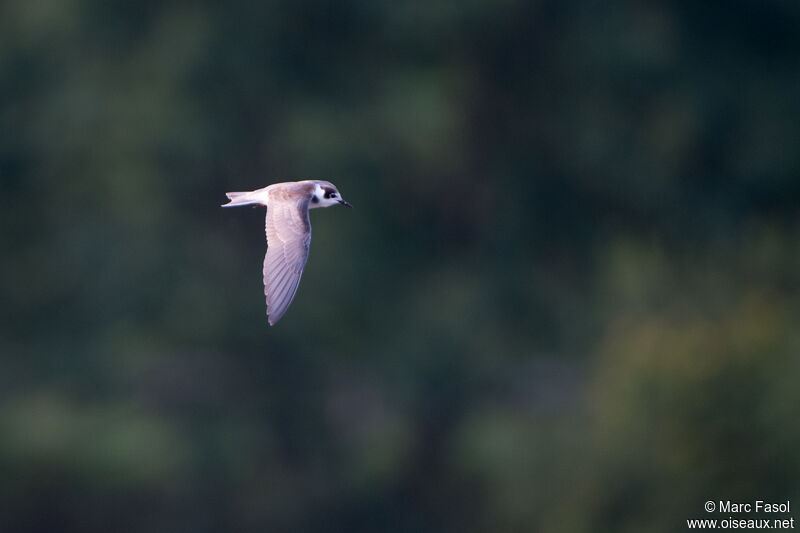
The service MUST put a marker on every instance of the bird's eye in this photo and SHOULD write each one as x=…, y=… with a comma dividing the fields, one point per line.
x=333, y=195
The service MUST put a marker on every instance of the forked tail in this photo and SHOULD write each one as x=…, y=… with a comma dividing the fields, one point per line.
x=243, y=198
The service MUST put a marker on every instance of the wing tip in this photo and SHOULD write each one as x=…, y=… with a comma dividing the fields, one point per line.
x=274, y=313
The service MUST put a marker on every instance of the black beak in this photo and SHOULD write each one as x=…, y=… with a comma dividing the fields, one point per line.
x=345, y=203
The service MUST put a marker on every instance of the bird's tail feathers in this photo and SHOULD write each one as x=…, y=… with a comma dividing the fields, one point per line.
x=243, y=198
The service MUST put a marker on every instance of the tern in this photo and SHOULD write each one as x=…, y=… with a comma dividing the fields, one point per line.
x=288, y=234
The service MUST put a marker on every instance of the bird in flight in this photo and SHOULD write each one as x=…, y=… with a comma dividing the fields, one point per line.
x=288, y=234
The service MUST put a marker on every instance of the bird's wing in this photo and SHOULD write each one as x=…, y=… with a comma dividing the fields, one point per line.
x=288, y=238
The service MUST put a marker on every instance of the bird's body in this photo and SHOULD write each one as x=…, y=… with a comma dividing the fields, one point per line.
x=288, y=231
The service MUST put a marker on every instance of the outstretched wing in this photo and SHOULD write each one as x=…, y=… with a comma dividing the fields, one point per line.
x=288, y=238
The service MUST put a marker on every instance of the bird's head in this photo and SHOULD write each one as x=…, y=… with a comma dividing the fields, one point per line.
x=326, y=194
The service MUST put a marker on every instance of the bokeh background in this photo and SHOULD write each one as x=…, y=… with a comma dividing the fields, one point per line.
x=566, y=300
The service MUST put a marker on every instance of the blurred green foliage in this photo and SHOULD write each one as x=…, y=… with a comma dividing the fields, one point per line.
x=567, y=299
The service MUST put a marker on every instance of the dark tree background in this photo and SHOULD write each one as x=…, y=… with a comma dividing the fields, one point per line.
x=567, y=299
